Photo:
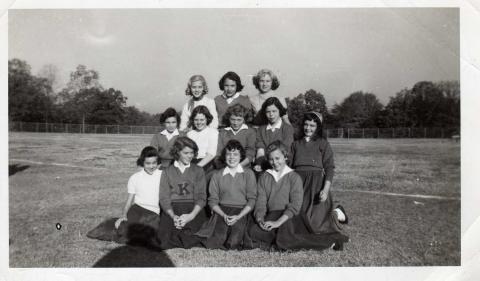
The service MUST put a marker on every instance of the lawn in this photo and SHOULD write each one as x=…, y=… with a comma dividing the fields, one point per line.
x=402, y=197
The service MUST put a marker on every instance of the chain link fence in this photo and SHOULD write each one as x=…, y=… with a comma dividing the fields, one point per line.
x=349, y=133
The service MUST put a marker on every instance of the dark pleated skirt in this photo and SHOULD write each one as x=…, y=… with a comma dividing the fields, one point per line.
x=286, y=238
x=170, y=237
x=139, y=229
x=316, y=216
x=216, y=234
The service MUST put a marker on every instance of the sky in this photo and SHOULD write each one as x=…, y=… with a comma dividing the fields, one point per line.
x=149, y=54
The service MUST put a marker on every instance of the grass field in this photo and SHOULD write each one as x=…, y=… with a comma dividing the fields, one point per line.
x=402, y=197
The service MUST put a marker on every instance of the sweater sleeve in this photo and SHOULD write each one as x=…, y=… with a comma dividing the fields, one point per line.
x=291, y=159
x=214, y=191
x=327, y=161
x=251, y=188
x=200, y=188
x=221, y=143
x=184, y=117
x=154, y=141
x=287, y=135
x=250, y=145
x=165, y=192
x=259, y=143
x=295, y=196
x=261, y=203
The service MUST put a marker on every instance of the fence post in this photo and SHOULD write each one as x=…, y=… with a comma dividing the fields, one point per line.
x=348, y=133
x=393, y=132
x=66, y=128
x=378, y=133
x=424, y=133
x=131, y=130
x=409, y=132
x=36, y=127
x=143, y=130
x=363, y=133
x=442, y=134
x=118, y=129
x=106, y=129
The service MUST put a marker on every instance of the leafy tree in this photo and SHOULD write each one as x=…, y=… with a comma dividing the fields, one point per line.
x=95, y=106
x=81, y=79
x=310, y=101
x=50, y=72
x=28, y=96
x=357, y=110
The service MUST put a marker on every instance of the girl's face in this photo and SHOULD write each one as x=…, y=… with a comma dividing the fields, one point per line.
x=197, y=89
x=171, y=124
x=229, y=87
x=272, y=113
x=185, y=155
x=150, y=164
x=277, y=160
x=200, y=122
x=265, y=83
x=232, y=158
x=309, y=128
x=236, y=122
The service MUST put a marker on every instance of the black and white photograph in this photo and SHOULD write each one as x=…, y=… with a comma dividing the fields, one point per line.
x=253, y=137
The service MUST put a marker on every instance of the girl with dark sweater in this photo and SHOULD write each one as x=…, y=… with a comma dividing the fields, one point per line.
x=182, y=197
x=312, y=159
x=232, y=194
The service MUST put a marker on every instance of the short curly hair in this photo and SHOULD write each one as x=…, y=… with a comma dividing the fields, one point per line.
x=201, y=109
x=263, y=72
x=231, y=76
x=233, y=145
x=278, y=144
x=195, y=78
x=180, y=143
x=272, y=101
x=147, y=152
x=170, y=112
x=238, y=110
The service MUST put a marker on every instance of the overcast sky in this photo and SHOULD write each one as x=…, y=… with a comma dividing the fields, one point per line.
x=150, y=54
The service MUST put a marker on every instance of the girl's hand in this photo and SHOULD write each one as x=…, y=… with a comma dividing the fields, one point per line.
x=184, y=219
x=257, y=168
x=269, y=225
x=176, y=222
x=231, y=220
x=323, y=195
x=119, y=221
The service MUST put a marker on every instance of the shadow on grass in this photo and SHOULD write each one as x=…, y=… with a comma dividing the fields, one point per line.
x=15, y=168
x=133, y=256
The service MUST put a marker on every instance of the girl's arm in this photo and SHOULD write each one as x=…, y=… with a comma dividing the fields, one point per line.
x=269, y=225
x=184, y=117
x=245, y=162
x=213, y=110
x=128, y=204
x=325, y=190
x=211, y=149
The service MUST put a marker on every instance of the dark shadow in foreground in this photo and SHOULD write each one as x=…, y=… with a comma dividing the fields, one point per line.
x=15, y=168
x=133, y=256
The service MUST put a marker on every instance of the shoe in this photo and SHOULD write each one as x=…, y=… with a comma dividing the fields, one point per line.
x=338, y=246
x=340, y=207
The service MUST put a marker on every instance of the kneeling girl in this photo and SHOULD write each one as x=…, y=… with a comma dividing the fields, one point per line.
x=232, y=196
x=182, y=197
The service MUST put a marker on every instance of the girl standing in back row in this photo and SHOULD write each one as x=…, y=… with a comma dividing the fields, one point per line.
x=197, y=89
x=231, y=85
x=266, y=82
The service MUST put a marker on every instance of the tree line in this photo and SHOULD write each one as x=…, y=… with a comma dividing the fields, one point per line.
x=37, y=98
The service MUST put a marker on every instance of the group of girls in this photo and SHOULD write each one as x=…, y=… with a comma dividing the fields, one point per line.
x=228, y=174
